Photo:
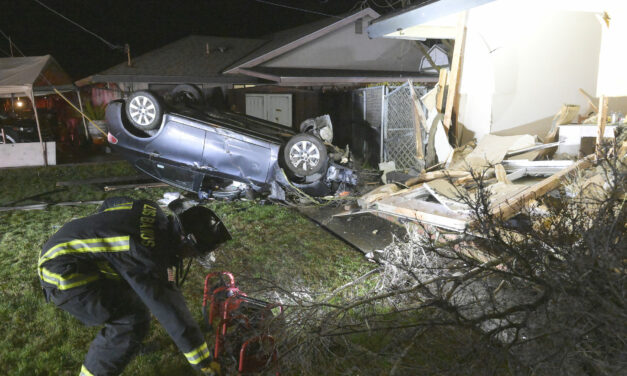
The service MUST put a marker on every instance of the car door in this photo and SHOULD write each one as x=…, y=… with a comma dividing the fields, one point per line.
x=175, y=154
x=238, y=157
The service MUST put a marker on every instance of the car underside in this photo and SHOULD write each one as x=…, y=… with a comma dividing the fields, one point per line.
x=181, y=141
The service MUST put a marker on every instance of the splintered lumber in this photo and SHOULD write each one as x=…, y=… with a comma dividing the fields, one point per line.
x=428, y=176
x=501, y=175
x=590, y=99
x=517, y=202
x=452, y=99
x=601, y=121
x=423, y=211
x=376, y=194
x=439, y=101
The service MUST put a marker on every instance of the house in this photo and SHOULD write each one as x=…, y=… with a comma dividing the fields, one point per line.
x=307, y=60
x=519, y=62
x=279, y=77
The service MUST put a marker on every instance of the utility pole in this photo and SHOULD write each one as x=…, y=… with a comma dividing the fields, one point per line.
x=11, y=47
x=127, y=49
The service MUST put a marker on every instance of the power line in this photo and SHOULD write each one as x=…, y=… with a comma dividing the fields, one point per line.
x=295, y=8
x=13, y=45
x=109, y=44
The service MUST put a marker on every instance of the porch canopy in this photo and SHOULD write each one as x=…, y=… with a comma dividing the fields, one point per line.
x=33, y=76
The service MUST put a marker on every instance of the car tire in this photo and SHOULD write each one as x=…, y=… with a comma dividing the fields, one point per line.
x=189, y=95
x=304, y=155
x=144, y=110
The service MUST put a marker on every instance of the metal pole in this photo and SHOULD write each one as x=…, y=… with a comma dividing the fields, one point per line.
x=41, y=141
x=80, y=104
x=384, y=113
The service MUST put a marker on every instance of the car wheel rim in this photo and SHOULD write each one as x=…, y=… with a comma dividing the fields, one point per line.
x=142, y=110
x=304, y=155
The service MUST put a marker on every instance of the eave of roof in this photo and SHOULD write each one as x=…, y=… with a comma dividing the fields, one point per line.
x=419, y=14
x=230, y=79
x=290, y=39
x=293, y=76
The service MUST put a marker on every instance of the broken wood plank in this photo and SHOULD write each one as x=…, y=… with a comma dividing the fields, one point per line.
x=376, y=194
x=423, y=211
x=501, y=175
x=439, y=101
x=428, y=176
x=517, y=202
x=452, y=97
x=590, y=99
x=118, y=179
x=601, y=122
x=135, y=186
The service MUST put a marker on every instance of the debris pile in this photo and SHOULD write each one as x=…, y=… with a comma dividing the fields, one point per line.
x=514, y=170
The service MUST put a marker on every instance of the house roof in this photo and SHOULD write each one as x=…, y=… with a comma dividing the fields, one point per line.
x=185, y=60
x=287, y=40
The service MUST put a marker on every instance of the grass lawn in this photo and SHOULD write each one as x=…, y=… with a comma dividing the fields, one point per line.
x=270, y=242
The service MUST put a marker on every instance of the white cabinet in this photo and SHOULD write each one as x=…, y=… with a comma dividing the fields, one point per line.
x=273, y=107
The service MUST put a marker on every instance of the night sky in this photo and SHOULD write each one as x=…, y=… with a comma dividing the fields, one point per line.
x=144, y=24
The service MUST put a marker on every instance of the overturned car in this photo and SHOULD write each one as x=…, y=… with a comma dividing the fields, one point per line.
x=178, y=139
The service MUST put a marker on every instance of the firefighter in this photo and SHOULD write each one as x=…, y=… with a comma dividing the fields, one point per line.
x=111, y=268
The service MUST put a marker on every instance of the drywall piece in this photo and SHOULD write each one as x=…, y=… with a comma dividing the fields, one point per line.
x=442, y=148
x=430, y=100
x=492, y=149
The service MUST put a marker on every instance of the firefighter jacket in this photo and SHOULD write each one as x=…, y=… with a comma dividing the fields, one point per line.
x=133, y=241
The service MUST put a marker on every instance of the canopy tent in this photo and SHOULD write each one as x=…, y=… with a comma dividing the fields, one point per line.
x=33, y=76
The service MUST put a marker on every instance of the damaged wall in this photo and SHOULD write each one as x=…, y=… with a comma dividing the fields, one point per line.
x=522, y=63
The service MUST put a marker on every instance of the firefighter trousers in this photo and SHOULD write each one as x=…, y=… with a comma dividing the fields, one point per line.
x=126, y=322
